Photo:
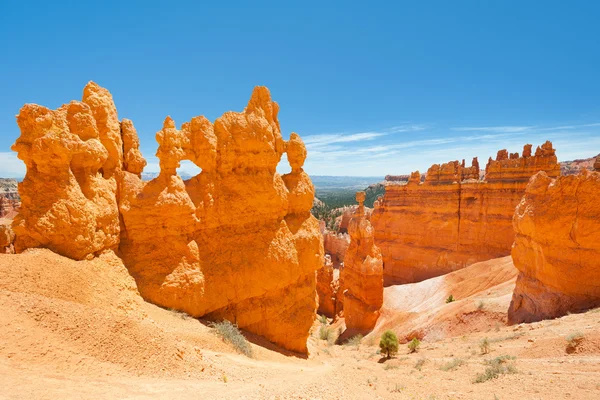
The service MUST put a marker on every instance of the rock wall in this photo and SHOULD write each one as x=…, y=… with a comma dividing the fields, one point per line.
x=453, y=219
x=10, y=201
x=362, y=276
x=235, y=242
x=556, y=247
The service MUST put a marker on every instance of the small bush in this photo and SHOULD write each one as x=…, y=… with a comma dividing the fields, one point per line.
x=452, y=365
x=324, y=332
x=497, y=367
x=480, y=305
x=354, y=341
x=450, y=299
x=231, y=334
x=389, y=343
x=484, y=346
x=323, y=319
x=413, y=345
x=573, y=340
x=419, y=364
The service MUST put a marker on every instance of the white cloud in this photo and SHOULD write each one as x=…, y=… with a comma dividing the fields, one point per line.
x=11, y=166
x=505, y=129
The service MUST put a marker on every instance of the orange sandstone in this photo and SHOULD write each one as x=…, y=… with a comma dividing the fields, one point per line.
x=557, y=247
x=362, y=275
x=235, y=242
x=453, y=219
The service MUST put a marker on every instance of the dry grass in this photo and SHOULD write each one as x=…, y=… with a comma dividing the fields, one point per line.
x=496, y=367
x=231, y=334
x=484, y=346
x=452, y=365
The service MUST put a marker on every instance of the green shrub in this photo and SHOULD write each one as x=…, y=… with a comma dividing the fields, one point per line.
x=413, y=345
x=231, y=334
x=450, y=299
x=324, y=332
x=323, y=319
x=497, y=367
x=389, y=343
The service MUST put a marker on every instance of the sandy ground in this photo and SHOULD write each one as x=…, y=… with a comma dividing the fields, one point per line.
x=72, y=330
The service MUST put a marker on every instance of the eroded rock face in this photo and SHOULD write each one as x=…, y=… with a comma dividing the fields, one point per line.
x=327, y=286
x=453, y=219
x=7, y=237
x=235, y=242
x=557, y=247
x=68, y=196
x=362, y=275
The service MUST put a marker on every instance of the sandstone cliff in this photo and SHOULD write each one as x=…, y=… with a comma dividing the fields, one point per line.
x=557, y=247
x=235, y=242
x=453, y=218
x=362, y=276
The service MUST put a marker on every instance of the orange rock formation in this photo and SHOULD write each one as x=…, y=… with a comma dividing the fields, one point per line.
x=362, y=275
x=328, y=277
x=453, y=219
x=557, y=247
x=7, y=237
x=235, y=242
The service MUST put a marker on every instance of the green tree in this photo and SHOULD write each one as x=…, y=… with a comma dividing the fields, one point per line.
x=413, y=345
x=388, y=343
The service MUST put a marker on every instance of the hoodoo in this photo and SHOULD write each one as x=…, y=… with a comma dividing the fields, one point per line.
x=235, y=242
x=557, y=247
x=472, y=219
x=362, y=276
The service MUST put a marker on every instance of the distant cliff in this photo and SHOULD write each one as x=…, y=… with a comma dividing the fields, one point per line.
x=453, y=219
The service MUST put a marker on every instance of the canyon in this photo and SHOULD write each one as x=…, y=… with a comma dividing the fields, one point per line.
x=108, y=261
x=471, y=218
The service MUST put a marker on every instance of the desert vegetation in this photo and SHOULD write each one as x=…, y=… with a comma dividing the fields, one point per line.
x=388, y=343
x=231, y=334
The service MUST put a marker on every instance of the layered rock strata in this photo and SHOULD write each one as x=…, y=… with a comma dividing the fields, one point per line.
x=9, y=198
x=362, y=275
x=235, y=242
x=453, y=218
x=556, y=247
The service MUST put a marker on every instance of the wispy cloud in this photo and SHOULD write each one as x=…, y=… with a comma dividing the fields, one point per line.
x=327, y=139
x=340, y=138
x=570, y=127
x=504, y=129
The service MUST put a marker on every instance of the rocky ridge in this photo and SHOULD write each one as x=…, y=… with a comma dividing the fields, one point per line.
x=471, y=218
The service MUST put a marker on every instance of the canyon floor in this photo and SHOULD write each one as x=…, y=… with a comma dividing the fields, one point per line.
x=79, y=330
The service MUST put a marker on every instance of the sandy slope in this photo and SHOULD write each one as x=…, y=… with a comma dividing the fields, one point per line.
x=80, y=330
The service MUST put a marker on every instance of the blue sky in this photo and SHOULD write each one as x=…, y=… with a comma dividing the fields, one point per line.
x=373, y=89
